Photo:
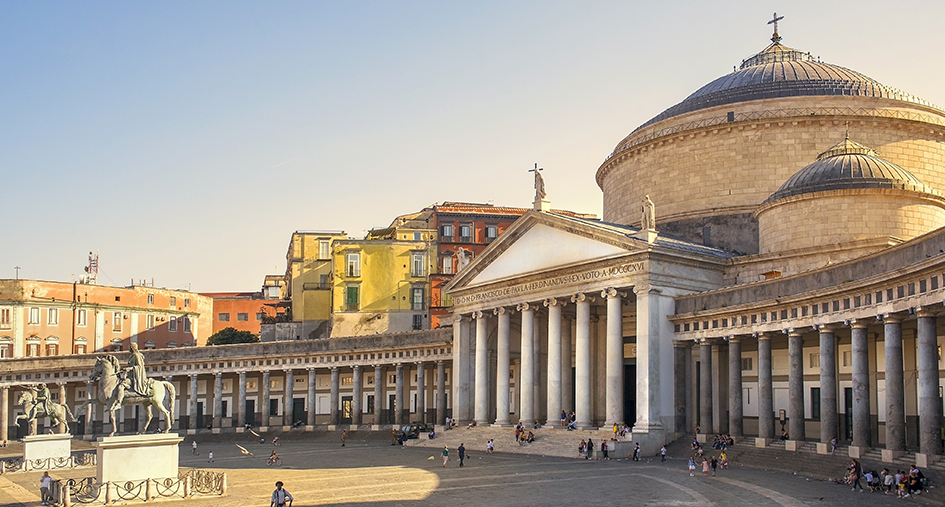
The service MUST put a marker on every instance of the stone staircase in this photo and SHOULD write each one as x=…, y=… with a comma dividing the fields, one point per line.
x=548, y=441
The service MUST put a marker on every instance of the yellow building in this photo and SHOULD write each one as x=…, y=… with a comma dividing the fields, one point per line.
x=382, y=283
x=308, y=282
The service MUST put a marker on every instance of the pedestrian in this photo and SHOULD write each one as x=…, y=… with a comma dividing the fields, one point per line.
x=616, y=431
x=564, y=418
x=714, y=463
x=705, y=467
x=394, y=439
x=590, y=449
x=856, y=472
x=833, y=445
x=193, y=446
x=603, y=449
x=344, y=435
x=44, y=482
x=692, y=466
x=210, y=457
x=490, y=446
x=446, y=455
x=636, y=452
x=461, y=453
x=663, y=454
x=280, y=497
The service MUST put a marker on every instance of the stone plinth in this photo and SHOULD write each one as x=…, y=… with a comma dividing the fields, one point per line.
x=793, y=445
x=924, y=460
x=137, y=457
x=762, y=442
x=47, y=446
x=823, y=448
x=889, y=456
x=857, y=452
x=650, y=441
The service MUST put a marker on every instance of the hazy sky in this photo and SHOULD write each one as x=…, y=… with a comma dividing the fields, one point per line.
x=186, y=141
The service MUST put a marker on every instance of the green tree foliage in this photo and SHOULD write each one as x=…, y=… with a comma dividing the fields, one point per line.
x=229, y=336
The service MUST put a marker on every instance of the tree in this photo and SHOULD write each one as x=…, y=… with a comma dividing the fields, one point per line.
x=229, y=336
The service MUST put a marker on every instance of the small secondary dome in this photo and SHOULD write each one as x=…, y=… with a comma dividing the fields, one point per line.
x=848, y=165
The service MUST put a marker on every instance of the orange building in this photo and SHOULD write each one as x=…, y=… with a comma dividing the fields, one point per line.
x=243, y=311
x=40, y=318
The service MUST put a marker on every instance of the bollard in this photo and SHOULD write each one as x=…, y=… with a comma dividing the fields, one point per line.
x=66, y=496
x=223, y=486
x=148, y=491
x=187, y=487
x=108, y=492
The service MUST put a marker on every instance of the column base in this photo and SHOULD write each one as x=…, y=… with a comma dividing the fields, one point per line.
x=823, y=448
x=215, y=431
x=702, y=438
x=793, y=445
x=310, y=428
x=240, y=429
x=377, y=427
x=191, y=432
x=890, y=455
x=501, y=424
x=761, y=443
x=332, y=427
x=923, y=460
x=857, y=452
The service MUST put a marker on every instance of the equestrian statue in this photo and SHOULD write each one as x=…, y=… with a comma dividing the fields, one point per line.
x=119, y=387
x=36, y=403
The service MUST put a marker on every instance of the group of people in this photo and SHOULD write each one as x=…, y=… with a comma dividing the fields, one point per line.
x=722, y=442
x=708, y=463
x=902, y=484
x=568, y=420
x=523, y=436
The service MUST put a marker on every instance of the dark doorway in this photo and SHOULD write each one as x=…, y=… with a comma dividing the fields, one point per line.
x=274, y=407
x=298, y=410
x=250, y=412
x=630, y=393
x=346, y=406
x=392, y=399
x=131, y=424
x=80, y=423
x=848, y=412
x=370, y=404
x=200, y=422
x=22, y=428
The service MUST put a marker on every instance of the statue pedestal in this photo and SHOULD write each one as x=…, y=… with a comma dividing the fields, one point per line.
x=37, y=447
x=137, y=457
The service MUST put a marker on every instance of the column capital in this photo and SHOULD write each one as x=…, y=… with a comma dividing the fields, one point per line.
x=858, y=323
x=356, y=367
x=218, y=374
x=892, y=318
x=502, y=310
x=549, y=302
x=524, y=307
x=733, y=339
x=927, y=311
x=288, y=370
x=581, y=297
x=611, y=292
x=681, y=344
x=645, y=288
x=791, y=331
x=831, y=327
x=242, y=373
x=762, y=336
x=333, y=369
x=439, y=362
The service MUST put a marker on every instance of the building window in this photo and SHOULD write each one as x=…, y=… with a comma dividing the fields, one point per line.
x=447, y=266
x=491, y=232
x=149, y=344
x=465, y=232
x=150, y=322
x=447, y=231
x=259, y=316
x=223, y=317
x=52, y=349
x=52, y=316
x=173, y=302
x=186, y=323
x=417, y=260
x=242, y=317
x=323, y=251
x=5, y=350
x=116, y=321
x=150, y=299
x=172, y=324
x=352, y=298
x=80, y=348
x=34, y=315
x=416, y=298
x=845, y=358
x=32, y=349
x=815, y=403
x=186, y=303
x=746, y=364
x=354, y=264
x=172, y=344
x=417, y=322
x=5, y=317
x=81, y=318
x=418, y=236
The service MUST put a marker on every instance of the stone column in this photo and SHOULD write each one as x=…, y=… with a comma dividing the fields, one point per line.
x=795, y=385
x=895, y=387
x=567, y=385
x=930, y=415
x=421, y=393
x=5, y=414
x=735, y=418
x=828, y=385
x=192, y=404
x=481, y=414
x=399, y=403
x=356, y=396
x=554, y=361
x=765, y=394
x=861, y=385
x=378, y=393
x=441, y=392
x=503, y=365
x=462, y=371
x=582, y=360
x=680, y=356
x=217, y=402
x=310, y=419
x=613, y=359
x=241, y=404
x=333, y=398
x=63, y=425
x=527, y=389
x=266, y=385
x=288, y=413
x=705, y=388
x=650, y=318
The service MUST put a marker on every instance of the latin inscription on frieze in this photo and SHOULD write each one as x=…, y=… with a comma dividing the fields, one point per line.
x=596, y=274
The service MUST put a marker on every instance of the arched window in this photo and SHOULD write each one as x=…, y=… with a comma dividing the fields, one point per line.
x=149, y=344
x=32, y=346
x=172, y=344
x=80, y=345
x=6, y=347
x=52, y=346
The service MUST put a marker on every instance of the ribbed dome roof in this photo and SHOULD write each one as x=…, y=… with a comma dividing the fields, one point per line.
x=849, y=165
x=780, y=71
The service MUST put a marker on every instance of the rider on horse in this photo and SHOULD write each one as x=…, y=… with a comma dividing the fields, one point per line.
x=42, y=400
x=136, y=379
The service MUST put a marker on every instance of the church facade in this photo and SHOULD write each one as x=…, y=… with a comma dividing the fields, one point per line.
x=790, y=278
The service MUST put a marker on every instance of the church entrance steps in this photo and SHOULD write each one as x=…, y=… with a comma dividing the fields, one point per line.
x=548, y=442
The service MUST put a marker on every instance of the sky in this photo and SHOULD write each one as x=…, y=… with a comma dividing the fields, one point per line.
x=185, y=141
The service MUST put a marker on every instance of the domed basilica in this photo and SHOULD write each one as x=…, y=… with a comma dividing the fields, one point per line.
x=770, y=258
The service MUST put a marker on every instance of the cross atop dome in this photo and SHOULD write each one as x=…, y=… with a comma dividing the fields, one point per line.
x=776, y=37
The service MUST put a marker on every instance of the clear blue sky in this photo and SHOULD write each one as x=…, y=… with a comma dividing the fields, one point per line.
x=185, y=141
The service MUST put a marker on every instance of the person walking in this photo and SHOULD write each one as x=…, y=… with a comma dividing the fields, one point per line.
x=44, y=482
x=604, y=449
x=590, y=449
x=461, y=453
x=344, y=436
x=193, y=446
x=705, y=467
x=210, y=457
x=446, y=455
x=280, y=497
x=490, y=446
x=663, y=454
x=692, y=466
x=636, y=452
x=714, y=463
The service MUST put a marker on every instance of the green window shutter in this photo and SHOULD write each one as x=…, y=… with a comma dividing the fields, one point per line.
x=352, y=299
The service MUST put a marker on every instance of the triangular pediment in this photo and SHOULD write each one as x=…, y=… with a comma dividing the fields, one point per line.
x=541, y=242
